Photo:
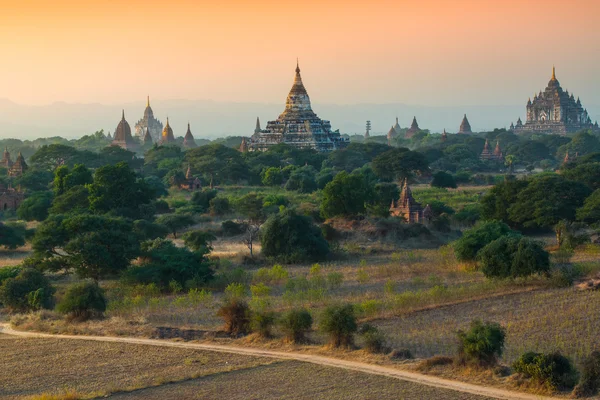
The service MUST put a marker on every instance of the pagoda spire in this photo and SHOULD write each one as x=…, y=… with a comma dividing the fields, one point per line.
x=257, y=129
x=123, y=115
x=553, y=73
x=148, y=101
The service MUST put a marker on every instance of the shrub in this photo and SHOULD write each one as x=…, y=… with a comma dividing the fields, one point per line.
x=29, y=290
x=296, y=324
x=443, y=179
x=83, y=301
x=262, y=323
x=512, y=257
x=590, y=376
x=231, y=228
x=374, y=340
x=437, y=361
x=199, y=241
x=335, y=279
x=476, y=238
x=219, y=206
x=482, y=344
x=236, y=315
x=339, y=323
x=9, y=272
x=235, y=291
x=292, y=237
x=401, y=354
x=553, y=370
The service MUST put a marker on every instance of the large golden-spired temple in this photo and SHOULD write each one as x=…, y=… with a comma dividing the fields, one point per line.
x=298, y=126
x=149, y=123
x=554, y=111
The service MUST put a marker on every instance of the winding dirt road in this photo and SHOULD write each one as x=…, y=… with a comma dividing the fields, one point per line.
x=309, y=358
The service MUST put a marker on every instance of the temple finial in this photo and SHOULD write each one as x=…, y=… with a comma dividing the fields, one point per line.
x=123, y=115
x=297, y=65
x=553, y=73
x=148, y=102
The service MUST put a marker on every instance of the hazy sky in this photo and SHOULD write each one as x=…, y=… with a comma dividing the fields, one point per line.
x=427, y=52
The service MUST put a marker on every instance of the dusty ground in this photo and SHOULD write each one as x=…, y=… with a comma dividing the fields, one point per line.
x=294, y=380
x=33, y=366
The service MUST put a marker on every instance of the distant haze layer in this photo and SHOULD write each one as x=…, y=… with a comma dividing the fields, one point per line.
x=426, y=52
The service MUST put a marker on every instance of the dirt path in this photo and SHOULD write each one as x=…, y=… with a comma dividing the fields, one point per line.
x=309, y=358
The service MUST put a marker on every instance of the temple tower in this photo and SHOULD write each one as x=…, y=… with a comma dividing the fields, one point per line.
x=465, y=126
x=188, y=140
x=406, y=206
x=414, y=128
x=167, y=136
x=149, y=122
x=123, y=136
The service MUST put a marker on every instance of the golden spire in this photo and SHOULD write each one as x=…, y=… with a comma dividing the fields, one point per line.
x=553, y=73
x=297, y=65
x=148, y=102
x=123, y=116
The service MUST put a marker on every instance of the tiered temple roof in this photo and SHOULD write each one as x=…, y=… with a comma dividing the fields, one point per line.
x=465, y=126
x=414, y=128
x=391, y=135
x=407, y=207
x=397, y=127
x=19, y=167
x=123, y=136
x=298, y=125
x=555, y=111
x=488, y=154
x=188, y=140
x=150, y=123
x=147, y=138
x=167, y=136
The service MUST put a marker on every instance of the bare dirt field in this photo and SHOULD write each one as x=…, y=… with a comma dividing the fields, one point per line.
x=294, y=380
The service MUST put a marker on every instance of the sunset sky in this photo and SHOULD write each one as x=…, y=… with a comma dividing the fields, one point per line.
x=427, y=52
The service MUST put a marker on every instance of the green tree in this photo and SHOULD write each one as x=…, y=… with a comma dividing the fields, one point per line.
x=384, y=194
x=35, y=207
x=476, y=238
x=218, y=163
x=339, y=323
x=34, y=179
x=74, y=201
x=146, y=230
x=175, y=222
x=586, y=173
x=346, y=195
x=292, y=237
x=399, y=164
x=443, y=179
x=200, y=241
x=117, y=190
x=512, y=257
x=29, y=290
x=495, y=204
x=546, y=200
x=590, y=212
x=83, y=300
x=251, y=207
x=94, y=246
x=483, y=343
x=11, y=237
x=163, y=263
x=302, y=180
x=272, y=176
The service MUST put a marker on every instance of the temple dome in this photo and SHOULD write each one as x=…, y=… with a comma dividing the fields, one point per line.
x=188, y=140
x=123, y=131
x=167, y=133
x=297, y=104
x=553, y=81
x=148, y=113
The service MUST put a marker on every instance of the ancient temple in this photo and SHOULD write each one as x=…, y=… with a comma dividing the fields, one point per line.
x=407, y=207
x=147, y=140
x=414, y=128
x=188, y=140
x=19, y=167
x=298, y=125
x=192, y=183
x=488, y=154
x=555, y=111
x=244, y=146
x=465, y=126
x=167, y=136
x=150, y=123
x=10, y=198
x=397, y=127
x=257, y=129
x=391, y=135
x=444, y=135
x=6, y=161
x=123, y=136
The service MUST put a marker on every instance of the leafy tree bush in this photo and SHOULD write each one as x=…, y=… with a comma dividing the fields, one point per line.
x=251, y=207
x=296, y=324
x=263, y=322
x=11, y=237
x=236, y=315
x=373, y=338
x=590, y=212
x=199, y=241
x=83, y=301
x=219, y=206
x=73, y=201
x=95, y=246
x=29, y=290
x=443, y=179
x=146, y=230
x=175, y=222
x=203, y=198
x=9, y=272
x=590, y=376
x=512, y=257
x=163, y=262
x=586, y=173
x=302, y=180
x=495, y=204
x=272, y=176
x=476, y=238
x=292, y=237
x=384, y=193
x=231, y=228
x=399, y=163
x=346, y=195
x=482, y=344
x=552, y=370
x=339, y=323
x=35, y=207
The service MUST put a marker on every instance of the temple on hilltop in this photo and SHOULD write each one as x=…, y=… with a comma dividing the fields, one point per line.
x=408, y=208
x=188, y=140
x=167, y=136
x=414, y=128
x=555, y=111
x=297, y=126
x=16, y=168
x=495, y=155
x=123, y=136
x=149, y=123
x=10, y=198
x=465, y=126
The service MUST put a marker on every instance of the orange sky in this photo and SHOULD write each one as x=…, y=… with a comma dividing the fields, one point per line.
x=428, y=52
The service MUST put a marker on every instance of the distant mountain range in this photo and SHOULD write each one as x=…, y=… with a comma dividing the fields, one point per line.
x=211, y=119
